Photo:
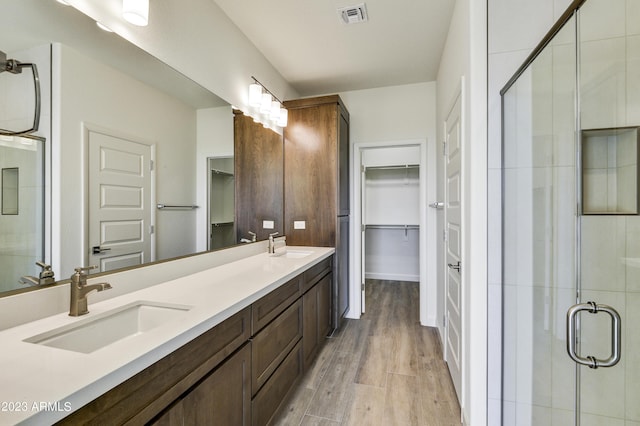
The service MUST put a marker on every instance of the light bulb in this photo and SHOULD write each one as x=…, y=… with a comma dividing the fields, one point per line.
x=265, y=105
x=283, y=118
x=274, y=114
x=255, y=95
x=136, y=12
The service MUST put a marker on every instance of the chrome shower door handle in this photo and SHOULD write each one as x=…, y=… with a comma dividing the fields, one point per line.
x=616, y=328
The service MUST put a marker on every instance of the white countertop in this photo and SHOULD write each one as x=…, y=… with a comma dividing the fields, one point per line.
x=41, y=384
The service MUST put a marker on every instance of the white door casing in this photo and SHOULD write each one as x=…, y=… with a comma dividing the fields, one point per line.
x=120, y=201
x=363, y=203
x=454, y=267
x=428, y=279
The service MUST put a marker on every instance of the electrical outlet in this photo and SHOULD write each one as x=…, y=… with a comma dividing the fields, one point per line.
x=267, y=224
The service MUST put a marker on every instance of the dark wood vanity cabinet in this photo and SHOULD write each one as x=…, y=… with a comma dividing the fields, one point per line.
x=223, y=397
x=142, y=397
x=258, y=158
x=240, y=372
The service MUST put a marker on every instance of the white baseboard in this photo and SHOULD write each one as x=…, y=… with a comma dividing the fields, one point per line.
x=391, y=277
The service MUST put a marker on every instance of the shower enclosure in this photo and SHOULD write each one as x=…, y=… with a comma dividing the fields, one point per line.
x=571, y=229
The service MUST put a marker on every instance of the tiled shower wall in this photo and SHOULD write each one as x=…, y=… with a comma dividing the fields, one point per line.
x=610, y=273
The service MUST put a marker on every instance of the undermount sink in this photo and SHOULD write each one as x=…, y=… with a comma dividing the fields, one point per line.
x=101, y=330
x=293, y=254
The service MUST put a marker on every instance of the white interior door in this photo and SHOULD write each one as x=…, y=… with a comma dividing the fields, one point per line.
x=453, y=238
x=119, y=217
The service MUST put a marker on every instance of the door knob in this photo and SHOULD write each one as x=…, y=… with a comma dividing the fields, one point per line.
x=457, y=266
x=99, y=250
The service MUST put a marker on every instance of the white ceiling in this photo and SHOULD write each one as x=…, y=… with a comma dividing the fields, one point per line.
x=306, y=41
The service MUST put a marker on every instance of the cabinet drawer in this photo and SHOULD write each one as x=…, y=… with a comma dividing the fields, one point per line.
x=313, y=274
x=276, y=391
x=273, y=343
x=270, y=306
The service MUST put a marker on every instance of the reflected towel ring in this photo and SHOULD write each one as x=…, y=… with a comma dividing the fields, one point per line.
x=15, y=67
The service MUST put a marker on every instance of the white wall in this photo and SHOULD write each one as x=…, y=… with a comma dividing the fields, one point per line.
x=392, y=113
x=197, y=39
x=214, y=139
x=464, y=55
x=384, y=115
x=133, y=110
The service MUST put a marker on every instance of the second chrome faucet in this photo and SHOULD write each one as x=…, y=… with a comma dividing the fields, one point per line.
x=80, y=290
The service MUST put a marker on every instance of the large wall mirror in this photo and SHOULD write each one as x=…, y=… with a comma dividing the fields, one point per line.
x=123, y=133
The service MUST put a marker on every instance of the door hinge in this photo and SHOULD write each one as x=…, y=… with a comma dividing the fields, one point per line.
x=151, y=229
x=151, y=165
x=363, y=169
x=444, y=148
x=363, y=227
x=362, y=287
x=444, y=235
x=444, y=321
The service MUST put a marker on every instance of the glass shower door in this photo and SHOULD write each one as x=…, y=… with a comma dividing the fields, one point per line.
x=571, y=225
x=539, y=237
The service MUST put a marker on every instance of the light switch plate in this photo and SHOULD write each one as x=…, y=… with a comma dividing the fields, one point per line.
x=299, y=224
x=267, y=224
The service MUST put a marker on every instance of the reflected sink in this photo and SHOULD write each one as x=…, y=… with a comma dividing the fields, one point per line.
x=293, y=254
x=93, y=333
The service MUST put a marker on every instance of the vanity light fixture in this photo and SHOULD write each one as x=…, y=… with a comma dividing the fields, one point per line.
x=136, y=12
x=265, y=107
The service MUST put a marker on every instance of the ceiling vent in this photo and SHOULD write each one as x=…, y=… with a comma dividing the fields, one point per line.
x=353, y=14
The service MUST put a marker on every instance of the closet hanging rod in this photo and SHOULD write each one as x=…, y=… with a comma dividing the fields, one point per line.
x=15, y=67
x=175, y=207
x=392, y=226
x=398, y=167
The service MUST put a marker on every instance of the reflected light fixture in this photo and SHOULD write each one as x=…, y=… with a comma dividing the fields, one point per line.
x=265, y=107
x=136, y=12
x=103, y=27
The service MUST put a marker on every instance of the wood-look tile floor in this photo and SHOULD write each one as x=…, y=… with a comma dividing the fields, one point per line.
x=383, y=369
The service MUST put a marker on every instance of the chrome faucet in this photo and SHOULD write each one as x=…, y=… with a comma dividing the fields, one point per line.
x=46, y=276
x=272, y=244
x=80, y=290
x=252, y=240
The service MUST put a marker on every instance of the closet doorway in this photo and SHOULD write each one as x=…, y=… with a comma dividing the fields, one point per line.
x=392, y=221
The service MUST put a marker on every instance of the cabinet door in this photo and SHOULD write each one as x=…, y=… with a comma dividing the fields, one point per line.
x=324, y=307
x=310, y=175
x=258, y=159
x=223, y=397
x=316, y=307
x=309, y=326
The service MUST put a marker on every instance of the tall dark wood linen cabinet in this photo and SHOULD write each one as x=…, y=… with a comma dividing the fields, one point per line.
x=316, y=185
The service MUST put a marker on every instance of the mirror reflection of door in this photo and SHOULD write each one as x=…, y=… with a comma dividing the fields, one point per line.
x=221, y=204
x=120, y=182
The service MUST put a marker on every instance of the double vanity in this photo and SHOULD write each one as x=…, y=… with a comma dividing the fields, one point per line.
x=230, y=341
